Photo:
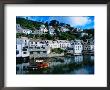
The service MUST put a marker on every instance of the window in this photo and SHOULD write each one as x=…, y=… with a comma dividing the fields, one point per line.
x=26, y=46
x=25, y=43
x=17, y=52
x=43, y=47
x=24, y=49
x=38, y=52
x=38, y=47
x=31, y=42
x=24, y=52
x=16, y=46
x=35, y=42
x=31, y=52
x=44, y=51
x=31, y=47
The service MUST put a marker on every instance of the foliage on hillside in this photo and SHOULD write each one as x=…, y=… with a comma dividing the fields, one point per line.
x=28, y=23
x=69, y=35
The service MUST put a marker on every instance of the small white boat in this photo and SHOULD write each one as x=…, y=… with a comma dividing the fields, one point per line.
x=39, y=60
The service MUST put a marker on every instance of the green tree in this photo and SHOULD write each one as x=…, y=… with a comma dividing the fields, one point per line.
x=57, y=50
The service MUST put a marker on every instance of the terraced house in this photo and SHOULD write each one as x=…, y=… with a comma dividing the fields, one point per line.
x=26, y=48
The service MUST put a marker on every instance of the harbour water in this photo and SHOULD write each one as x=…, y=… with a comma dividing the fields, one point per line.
x=61, y=65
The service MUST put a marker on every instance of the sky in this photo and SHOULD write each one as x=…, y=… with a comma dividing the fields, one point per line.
x=83, y=22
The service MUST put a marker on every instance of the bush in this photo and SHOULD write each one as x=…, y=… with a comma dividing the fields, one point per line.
x=58, y=50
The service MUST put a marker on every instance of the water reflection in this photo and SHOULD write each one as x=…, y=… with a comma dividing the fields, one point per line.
x=60, y=65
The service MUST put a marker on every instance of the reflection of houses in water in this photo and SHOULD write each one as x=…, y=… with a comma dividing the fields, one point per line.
x=66, y=60
x=89, y=57
x=58, y=61
x=78, y=59
x=21, y=68
x=52, y=62
x=92, y=58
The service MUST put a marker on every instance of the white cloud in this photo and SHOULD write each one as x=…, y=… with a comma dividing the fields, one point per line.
x=80, y=21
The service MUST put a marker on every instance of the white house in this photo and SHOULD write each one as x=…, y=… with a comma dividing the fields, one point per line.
x=64, y=29
x=77, y=47
x=41, y=30
x=27, y=31
x=35, y=43
x=51, y=30
x=64, y=44
x=83, y=34
x=18, y=50
x=53, y=44
x=39, y=51
x=22, y=49
x=18, y=28
x=88, y=46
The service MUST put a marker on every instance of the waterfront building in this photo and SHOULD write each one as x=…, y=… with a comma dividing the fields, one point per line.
x=53, y=44
x=18, y=50
x=70, y=51
x=39, y=51
x=88, y=46
x=64, y=44
x=77, y=47
x=42, y=48
x=35, y=43
x=22, y=50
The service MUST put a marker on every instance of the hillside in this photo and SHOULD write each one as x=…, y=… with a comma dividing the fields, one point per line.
x=69, y=35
